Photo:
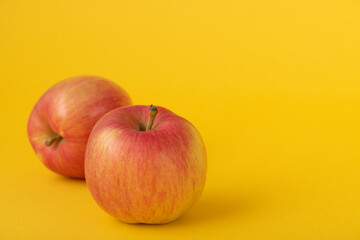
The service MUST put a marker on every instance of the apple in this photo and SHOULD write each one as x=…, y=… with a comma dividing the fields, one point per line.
x=61, y=121
x=143, y=174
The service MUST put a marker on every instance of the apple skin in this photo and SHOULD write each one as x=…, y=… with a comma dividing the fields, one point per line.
x=140, y=176
x=70, y=109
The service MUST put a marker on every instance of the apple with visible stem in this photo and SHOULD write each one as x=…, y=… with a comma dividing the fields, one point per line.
x=145, y=166
x=61, y=121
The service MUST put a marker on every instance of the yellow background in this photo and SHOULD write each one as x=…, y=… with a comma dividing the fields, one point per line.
x=273, y=87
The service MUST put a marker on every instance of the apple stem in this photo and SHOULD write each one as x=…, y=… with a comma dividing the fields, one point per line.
x=152, y=114
x=53, y=139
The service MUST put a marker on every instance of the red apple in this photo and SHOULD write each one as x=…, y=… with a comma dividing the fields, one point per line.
x=141, y=174
x=61, y=121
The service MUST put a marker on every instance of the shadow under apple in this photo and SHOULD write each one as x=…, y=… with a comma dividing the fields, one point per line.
x=68, y=180
x=216, y=206
x=212, y=206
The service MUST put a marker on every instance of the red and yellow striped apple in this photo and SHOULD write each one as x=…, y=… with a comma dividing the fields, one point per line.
x=61, y=121
x=144, y=174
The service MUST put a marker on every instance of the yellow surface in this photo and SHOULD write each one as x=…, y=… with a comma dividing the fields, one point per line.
x=273, y=87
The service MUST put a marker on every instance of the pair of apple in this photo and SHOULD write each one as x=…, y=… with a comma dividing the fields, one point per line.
x=141, y=165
